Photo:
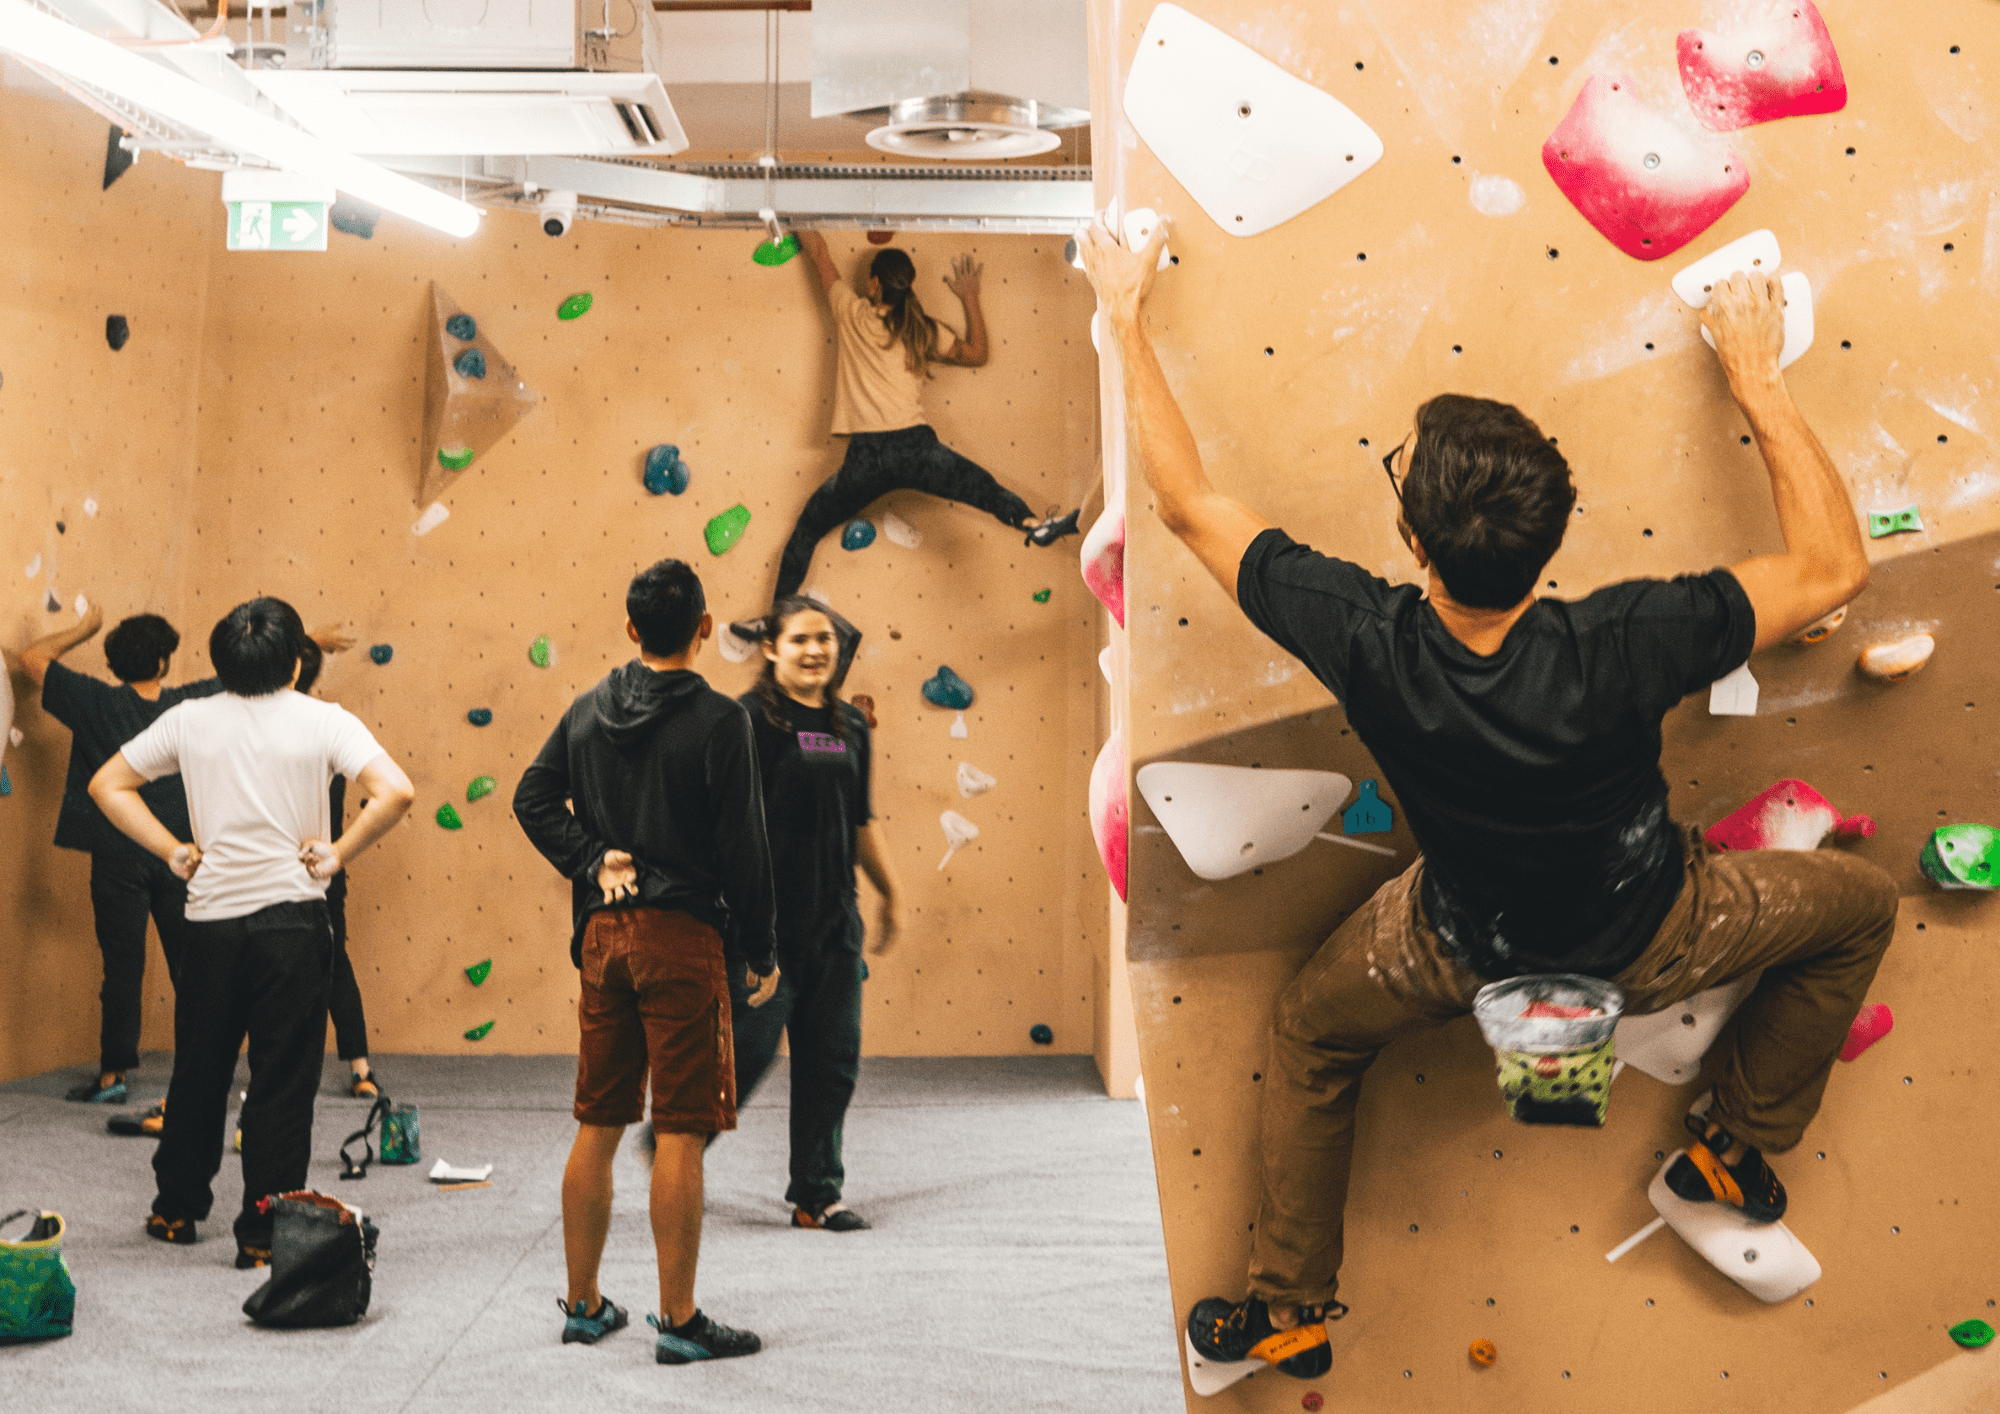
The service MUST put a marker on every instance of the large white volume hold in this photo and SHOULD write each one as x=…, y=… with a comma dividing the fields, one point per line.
x=1755, y=254
x=1228, y=820
x=1668, y=1045
x=1253, y=144
x=1765, y=1259
x=1798, y=319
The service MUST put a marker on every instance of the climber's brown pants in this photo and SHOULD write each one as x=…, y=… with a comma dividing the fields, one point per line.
x=1815, y=922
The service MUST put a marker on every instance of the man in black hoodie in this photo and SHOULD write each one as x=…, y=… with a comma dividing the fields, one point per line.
x=646, y=797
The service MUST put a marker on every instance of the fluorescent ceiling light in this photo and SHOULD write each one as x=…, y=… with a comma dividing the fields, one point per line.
x=42, y=39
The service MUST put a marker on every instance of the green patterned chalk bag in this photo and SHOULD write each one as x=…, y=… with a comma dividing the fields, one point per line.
x=1552, y=1038
x=37, y=1297
x=401, y=1136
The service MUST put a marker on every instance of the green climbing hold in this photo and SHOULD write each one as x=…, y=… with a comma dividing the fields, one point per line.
x=470, y=364
x=481, y=786
x=666, y=474
x=1881, y=523
x=945, y=688
x=479, y=971
x=726, y=529
x=480, y=716
x=460, y=326
x=454, y=458
x=859, y=535
x=1972, y=1334
x=776, y=253
x=478, y=1033
x=1962, y=856
x=575, y=307
x=541, y=652
x=1042, y=595
x=448, y=817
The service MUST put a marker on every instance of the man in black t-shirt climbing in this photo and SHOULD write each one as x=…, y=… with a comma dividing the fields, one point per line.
x=1522, y=737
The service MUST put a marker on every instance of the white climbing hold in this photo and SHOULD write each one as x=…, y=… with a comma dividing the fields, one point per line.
x=900, y=532
x=1765, y=1259
x=1104, y=663
x=958, y=730
x=973, y=781
x=431, y=519
x=1733, y=696
x=1228, y=820
x=733, y=648
x=34, y=567
x=14, y=736
x=89, y=506
x=958, y=831
x=1668, y=1045
x=1754, y=254
x=82, y=606
x=1140, y=223
x=1892, y=662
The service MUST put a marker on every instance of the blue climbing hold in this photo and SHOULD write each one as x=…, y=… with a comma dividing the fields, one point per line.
x=1370, y=814
x=381, y=653
x=480, y=716
x=859, y=535
x=460, y=326
x=666, y=473
x=945, y=688
x=470, y=364
x=1041, y=1035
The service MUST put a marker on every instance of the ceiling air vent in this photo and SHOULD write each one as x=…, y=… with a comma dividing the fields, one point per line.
x=966, y=127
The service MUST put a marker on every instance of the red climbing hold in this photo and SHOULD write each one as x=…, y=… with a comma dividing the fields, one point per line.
x=1780, y=66
x=1790, y=815
x=1310, y=1400
x=1871, y=1024
x=1110, y=810
x=1647, y=182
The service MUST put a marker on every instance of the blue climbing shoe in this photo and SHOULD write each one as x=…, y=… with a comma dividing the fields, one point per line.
x=96, y=1092
x=579, y=1329
x=699, y=1338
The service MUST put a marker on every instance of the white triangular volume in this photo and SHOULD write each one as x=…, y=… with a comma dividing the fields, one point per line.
x=1253, y=144
x=1765, y=1259
x=973, y=781
x=1733, y=696
x=900, y=532
x=1228, y=820
x=1755, y=254
x=1798, y=319
x=1668, y=1045
x=431, y=519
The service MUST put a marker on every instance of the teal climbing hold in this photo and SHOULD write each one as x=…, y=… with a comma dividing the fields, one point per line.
x=6, y=782
x=480, y=716
x=455, y=458
x=666, y=473
x=480, y=787
x=945, y=688
x=575, y=307
x=380, y=654
x=859, y=535
x=448, y=817
x=726, y=529
x=479, y=971
x=470, y=364
x=1370, y=814
x=1972, y=1334
x=541, y=652
x=778, y=252
x=461, y=326
x=1041, y=1035
x=478, y=1033
x=1042, y=595
x=1881, y=523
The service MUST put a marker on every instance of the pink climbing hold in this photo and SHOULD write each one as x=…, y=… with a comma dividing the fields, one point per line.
x=1789, y=815
x=1110, y=809
x=1782, y=65
x=1871, y=1024
x=1104, y=562
x=1648, y=183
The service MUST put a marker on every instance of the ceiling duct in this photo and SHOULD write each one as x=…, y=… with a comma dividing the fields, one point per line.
x=959, y=80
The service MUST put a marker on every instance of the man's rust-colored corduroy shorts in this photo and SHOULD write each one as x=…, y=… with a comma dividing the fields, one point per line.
x=655, y=999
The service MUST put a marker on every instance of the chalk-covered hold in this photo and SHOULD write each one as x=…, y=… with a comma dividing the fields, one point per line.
x=479, y=971
x=973, y=781
x=542, y=652
x=575, y=307
x=1893, y=662
x=1788, y=815
x=1780, y=64
x=958, y=832
x=900, y=532
x=1962, y=857
x=1228, y=820
x=479, y=1032
x=455, y=458
x=481, y=786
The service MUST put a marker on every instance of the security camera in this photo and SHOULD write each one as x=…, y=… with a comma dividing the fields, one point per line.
x=558, y=212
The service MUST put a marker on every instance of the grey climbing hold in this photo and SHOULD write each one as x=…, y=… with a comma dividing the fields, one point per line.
x=358, y=218
x=666, y=474
x=117, y=331
x=380, y=654
x=461, y=326
x=945, y=688
x=480, y=716
x=470, y=364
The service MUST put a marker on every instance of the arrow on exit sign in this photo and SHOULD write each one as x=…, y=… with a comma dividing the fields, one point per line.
x=277, y=225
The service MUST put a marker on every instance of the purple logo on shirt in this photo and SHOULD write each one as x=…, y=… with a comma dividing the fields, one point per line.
x=820, y=744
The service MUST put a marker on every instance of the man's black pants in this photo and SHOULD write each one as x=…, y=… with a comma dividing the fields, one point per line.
x=126, y=889
x=818, y=1003
x=264, y=976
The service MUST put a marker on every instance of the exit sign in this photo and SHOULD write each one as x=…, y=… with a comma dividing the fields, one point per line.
x=277, y=225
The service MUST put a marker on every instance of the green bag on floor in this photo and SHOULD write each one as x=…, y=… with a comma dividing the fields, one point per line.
x=37, y=1297
x=401, y=1138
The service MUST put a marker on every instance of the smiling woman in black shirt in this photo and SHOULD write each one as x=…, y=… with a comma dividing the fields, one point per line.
x=813, y=757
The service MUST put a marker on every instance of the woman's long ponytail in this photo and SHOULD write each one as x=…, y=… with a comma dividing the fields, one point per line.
x=905, y=320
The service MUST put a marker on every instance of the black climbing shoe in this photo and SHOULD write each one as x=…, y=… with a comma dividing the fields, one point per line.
x=179, y=1231
x=830, y=1219
x=700, y=1339
x=142, y=1124
x=251, y=1257
x=579, y=1329
x=1053, y=529
x=1227, y=1333
x=749, y=630
x=1748, y=1185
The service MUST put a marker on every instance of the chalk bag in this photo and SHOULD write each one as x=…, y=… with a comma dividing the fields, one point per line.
x=400, y=1138
x=37, y=1297
x=1552, y=1041
x=322, y=1263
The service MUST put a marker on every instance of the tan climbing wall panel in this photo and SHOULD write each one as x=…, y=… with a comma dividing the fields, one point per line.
x=1299, y=357
x=311, y=406
x=79, y=422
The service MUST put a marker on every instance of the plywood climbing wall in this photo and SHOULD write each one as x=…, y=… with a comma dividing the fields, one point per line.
x=302, y=400
x=1300, y=355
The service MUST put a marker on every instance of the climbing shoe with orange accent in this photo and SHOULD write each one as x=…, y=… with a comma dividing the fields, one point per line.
x=143, y=1124
x=1226, y=1333
x=830, y=1219
x=248, y=1257
x=179, y=1231
x=1748, y=1185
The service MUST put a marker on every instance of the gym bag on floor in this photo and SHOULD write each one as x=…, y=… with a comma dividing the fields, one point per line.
x=322, y=1263
x=401, y=1138
x=37, y=1298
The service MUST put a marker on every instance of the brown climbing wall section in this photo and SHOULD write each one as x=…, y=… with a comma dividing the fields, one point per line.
x=1299, y=356
x=82, y=426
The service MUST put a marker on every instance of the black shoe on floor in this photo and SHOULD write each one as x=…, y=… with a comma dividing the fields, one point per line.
x=1748, y=1185
x=140, y=1124
x=1050, y=531
x=248, y=1257
x=179, y=1231
x=830, y=1219
x=91, y=1092
x=1226, y=1333
x=579, y=1329
x=700, y=1339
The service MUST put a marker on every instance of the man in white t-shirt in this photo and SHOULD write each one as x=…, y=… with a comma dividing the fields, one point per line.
x=258, y=955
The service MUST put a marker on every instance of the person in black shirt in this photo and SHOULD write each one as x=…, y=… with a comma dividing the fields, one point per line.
x=1522, y=737
x=813, y=755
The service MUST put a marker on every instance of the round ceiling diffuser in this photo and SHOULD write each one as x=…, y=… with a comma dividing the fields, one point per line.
x=964, y=127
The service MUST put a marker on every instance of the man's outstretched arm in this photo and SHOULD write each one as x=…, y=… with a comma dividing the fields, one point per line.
x=1825, y=563
x=1209, y=523
x=37, y=656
